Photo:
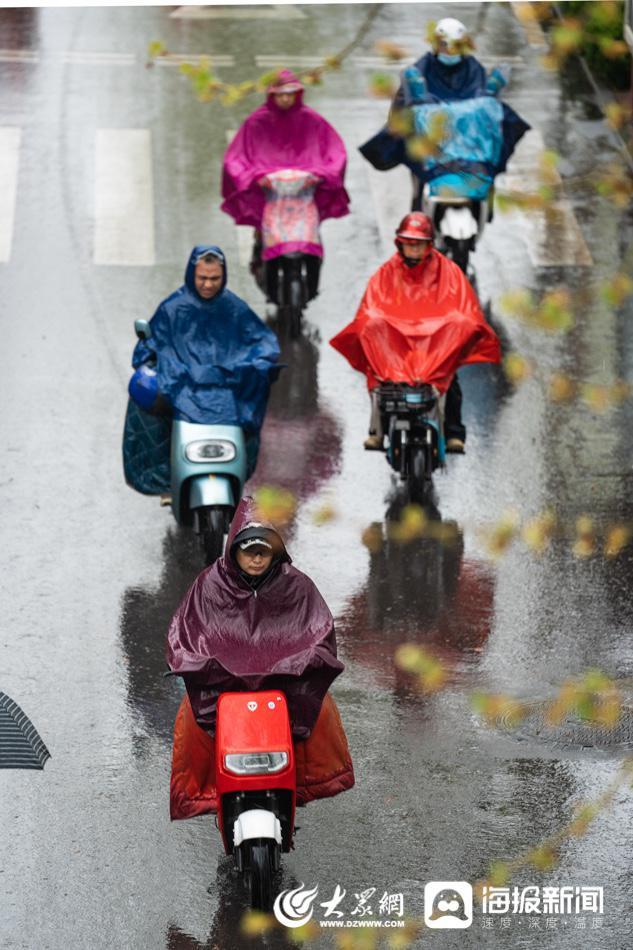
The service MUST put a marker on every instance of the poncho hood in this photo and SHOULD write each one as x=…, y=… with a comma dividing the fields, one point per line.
x=460, y=81
x=247, y=522
x=227, y=637
x=285, y=77
x=417, y=324
x=199, y=251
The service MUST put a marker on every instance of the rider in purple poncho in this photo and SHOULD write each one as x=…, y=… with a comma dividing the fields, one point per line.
x=283, y=134
x=234, y=631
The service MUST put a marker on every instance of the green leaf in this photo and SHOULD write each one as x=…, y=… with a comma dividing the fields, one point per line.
x=156, y=48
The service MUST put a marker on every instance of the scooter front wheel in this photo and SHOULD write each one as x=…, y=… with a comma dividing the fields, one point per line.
x=418, y=475
x=260, y=875
x=460, y=252
x=211, y=533
x=295, y=309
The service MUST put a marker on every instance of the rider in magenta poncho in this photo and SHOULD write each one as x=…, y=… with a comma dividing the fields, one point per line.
x=272, y=139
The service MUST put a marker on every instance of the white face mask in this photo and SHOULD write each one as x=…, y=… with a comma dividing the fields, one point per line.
x=449, y=59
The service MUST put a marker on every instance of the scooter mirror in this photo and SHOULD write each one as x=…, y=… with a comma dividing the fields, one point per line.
x=142, y=330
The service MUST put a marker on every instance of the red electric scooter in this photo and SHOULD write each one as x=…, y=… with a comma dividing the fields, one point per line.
x=256, y=785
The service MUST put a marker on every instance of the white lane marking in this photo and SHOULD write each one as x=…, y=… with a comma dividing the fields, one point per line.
x=98, y=58
x=263, y=12
x=87, y=58
x=414, y=47
x=244, y=232
x=10, y=139
x=124, y=198
x=366, y=61
x=490, y=60
x=284, y=59
x=19, y=56
x=379, y=63
x=177, y=59
x=553, y=235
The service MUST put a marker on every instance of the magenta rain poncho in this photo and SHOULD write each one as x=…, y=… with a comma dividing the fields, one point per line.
x=272, y=139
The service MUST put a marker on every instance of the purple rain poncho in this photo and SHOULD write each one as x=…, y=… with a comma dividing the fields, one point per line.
x=272, y=139
x=227, y=637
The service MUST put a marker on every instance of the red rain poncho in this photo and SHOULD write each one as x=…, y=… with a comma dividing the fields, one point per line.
x=227, y=637
x=417, y=325
x=271, y=139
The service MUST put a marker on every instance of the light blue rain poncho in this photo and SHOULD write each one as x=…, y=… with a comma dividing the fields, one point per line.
x=471, y=148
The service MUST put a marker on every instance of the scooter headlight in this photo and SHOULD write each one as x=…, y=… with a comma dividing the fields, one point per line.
x=210, y=450
x=413, y=399
x=255, y=763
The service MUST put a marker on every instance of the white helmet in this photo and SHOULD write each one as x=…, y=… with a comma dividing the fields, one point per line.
x=450, y=31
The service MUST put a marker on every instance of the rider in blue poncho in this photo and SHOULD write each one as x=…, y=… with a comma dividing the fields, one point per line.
x=447, y=74
x=215, y=358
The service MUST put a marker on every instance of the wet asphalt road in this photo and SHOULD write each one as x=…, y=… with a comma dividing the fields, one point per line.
x=91, y=572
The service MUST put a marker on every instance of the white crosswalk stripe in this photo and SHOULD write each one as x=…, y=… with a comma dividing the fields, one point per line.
x=124, y=198
x=263, y=12
x=553, y=236
x=10, y=139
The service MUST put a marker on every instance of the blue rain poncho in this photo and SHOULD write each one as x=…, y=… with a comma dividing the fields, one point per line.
x=215, y=358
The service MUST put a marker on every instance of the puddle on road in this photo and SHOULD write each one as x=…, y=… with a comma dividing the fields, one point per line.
x=572, y=733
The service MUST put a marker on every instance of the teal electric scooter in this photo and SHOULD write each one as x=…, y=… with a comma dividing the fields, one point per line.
x=208, y=472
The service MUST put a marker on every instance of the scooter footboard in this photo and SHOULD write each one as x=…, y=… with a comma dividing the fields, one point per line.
x=256, y=823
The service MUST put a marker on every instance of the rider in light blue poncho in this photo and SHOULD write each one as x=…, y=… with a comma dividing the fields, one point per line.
x=481, y=132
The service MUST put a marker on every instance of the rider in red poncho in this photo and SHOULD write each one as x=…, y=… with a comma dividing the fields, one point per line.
x=419, y=320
